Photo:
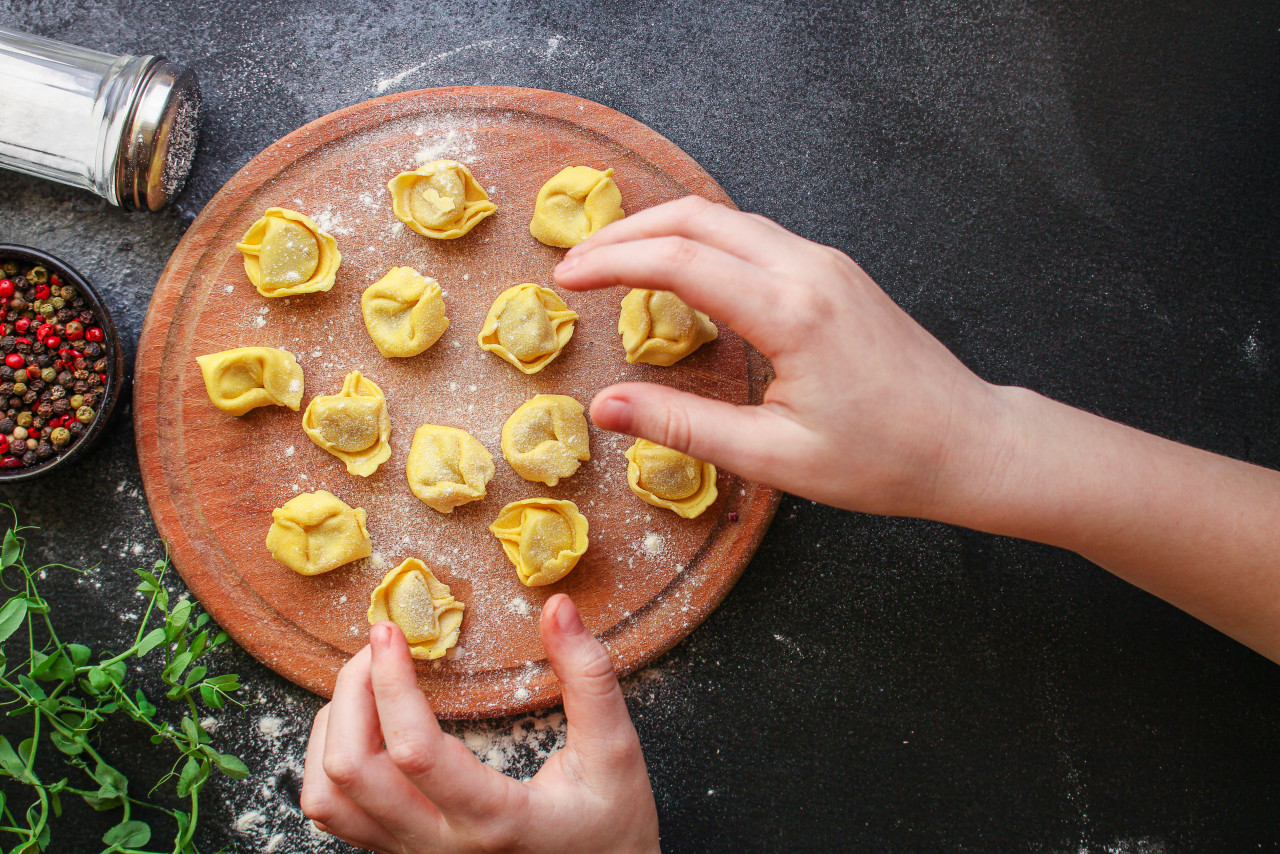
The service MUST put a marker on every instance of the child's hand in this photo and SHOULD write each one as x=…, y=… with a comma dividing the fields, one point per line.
x=381, y=774
x=868, y=410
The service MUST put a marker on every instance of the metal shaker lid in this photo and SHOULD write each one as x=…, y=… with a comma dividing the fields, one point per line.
x=160, y=141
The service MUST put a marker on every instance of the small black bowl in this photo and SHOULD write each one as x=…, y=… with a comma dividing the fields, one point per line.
x=111, y=343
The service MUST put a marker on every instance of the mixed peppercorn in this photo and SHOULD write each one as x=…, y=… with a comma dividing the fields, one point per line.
x=53, y=365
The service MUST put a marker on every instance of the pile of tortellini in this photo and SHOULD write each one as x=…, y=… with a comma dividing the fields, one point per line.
x=545, y=440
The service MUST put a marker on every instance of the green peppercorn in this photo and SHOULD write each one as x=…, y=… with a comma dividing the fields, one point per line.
x=48, y=375
x=47, y=310
x=24, y=421
x=60, y=437
x=67, y=292
x=10, y=268
x=76, y=401
x=58, y=303
x=19, y=389
x=85, y=414
x=38, y=276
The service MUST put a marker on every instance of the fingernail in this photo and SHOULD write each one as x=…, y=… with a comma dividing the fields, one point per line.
x=380, y=636
x=566, y=265
x=615, y=413
x=567, y=618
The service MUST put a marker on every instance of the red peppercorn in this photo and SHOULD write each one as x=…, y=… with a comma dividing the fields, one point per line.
x=33, y=434
x=4, y=445
x=15, y=360
x=94, y=333
x=22, y=324
x=42, y=291
x=5, y=302
x=11, y=463
x=43, y=331
x=67, y=354
x=6, y=288
x=26, y=341
x=55, y=280
x=74, y=330
x=52, y=342
x=4, y=329
x=33, y=372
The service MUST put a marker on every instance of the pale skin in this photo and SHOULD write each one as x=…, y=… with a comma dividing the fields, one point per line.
x=868, y=412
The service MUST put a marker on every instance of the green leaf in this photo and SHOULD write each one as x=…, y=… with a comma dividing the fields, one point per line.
x=56, y=667
x=25, y=749
x=175, y=668
x=202, y=620
x=116, y=672
x=80, y=654
x=150, y=641
x=193, y=776
x=12, y=551
x=29, y=685
x=12, y=615
x=199, y=644
x=191, y=730
x=98, y=679
x=144, y=705
x=114, y=784
x=10, y=761
x=231, y=766
x=67, y=744
x=128, y=834
x=177, y=619
x=195, y=675
x=36, y=605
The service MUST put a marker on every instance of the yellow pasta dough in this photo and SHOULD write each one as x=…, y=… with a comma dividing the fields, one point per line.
x=316, y=532
x=528, y=326
x=247, y=377
x=285, y=253
x=404, y=312
x=447, y=467
x=543, y=537
x=658, y=328
x=353, y=424
x=546, y=438
x=575, y=204
x=441, y=199
x=666, y=478
x=411, y=597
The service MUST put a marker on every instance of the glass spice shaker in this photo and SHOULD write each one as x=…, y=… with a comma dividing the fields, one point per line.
x=124, y=127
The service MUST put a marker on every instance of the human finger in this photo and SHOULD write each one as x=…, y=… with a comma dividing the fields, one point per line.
x=727, y=288
x=598, y=721
x=742, y=439
x=751, y=238
x=356, y=763
x=439, y=765
x=327, y=805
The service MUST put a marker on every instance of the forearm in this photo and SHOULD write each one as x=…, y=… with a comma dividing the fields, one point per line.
x=1196, y=529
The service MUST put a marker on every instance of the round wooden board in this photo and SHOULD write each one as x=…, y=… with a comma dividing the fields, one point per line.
x=212, y=480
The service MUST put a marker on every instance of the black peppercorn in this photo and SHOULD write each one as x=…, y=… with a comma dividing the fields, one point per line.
x=14, y=403
x=61, y=406
x=30, y=458
x=7, y=344
x=44, y=450
x=101, y=366
x=6, y=390
x=94, y=350
x=91, y=399
x=86, y=317
x=38, y=423
x=45, y=360
x=65, y=314
x=76, y=428
x=57, y=393
x=6, y=374
x=30, y=397
x=95, y=381
x=21, y=345
x=7, y=425
x=38, y=349
x=65, y=379
x=80, y=386
x=79, y=345
x=18, y=304
x=44, y=410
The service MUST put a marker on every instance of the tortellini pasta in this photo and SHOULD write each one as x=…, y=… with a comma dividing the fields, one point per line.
x=411, y=597
x=247, y=377
x=528, y=326
x=353, y=424
x=658, y=328
x=575, y=204
x=441, y=199
x=543, y=537
x=667, y=478
x=285, y=253
x=404, y=312
x=316, y=532
x=545, y=439
x=447, y=467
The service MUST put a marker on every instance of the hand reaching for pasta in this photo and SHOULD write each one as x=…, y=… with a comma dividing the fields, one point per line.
x=382, y=775
x=868, y=411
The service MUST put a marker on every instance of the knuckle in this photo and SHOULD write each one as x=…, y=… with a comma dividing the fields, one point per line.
x=415, y=758
x=693, y=205
x=673, y=429
x=677, y=252
x=316, y=806
x=342, y=768
x=622, y=752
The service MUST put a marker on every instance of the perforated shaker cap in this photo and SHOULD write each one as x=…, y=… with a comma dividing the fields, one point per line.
x=159, y=146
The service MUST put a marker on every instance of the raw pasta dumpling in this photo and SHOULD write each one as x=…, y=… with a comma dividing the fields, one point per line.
x=667, y=478
x=353, y=424
x=411, y=597
x=543, y=537
x=545, y=439
x=575, y=204
x=658, y=328
x=316, y=532
x=247, y=377
x=441, y=199
x=528, y=326
x=447, y=467
x=285, y=253
x=404, y=312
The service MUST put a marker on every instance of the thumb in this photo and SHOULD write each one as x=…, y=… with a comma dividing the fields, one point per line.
x=741, y=439
x=593, y=704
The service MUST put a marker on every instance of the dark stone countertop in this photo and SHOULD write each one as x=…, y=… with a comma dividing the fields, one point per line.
x=1078, y=198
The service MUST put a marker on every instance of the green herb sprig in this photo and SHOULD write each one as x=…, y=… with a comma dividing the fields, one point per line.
x=69, y=691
